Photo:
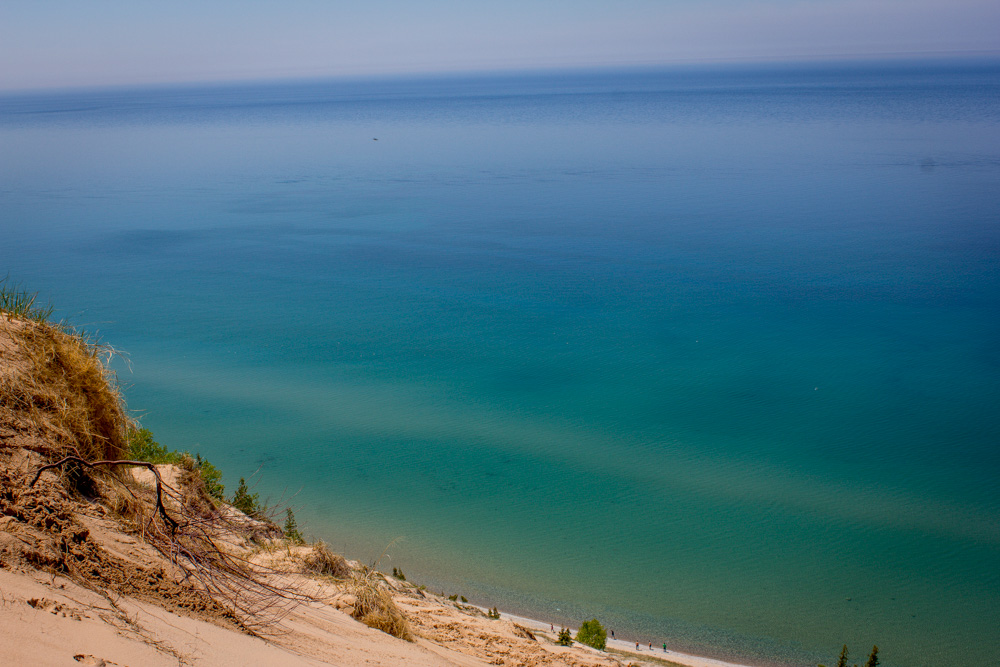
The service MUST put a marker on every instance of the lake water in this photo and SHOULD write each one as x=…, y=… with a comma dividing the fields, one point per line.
x=710, y=353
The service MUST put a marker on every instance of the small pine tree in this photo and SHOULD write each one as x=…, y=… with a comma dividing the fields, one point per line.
x=493, y=613
x=873, y=658
x=565, y=637
x=245, y=501
x=292, y=528
x=842, y=660
x=592, y=633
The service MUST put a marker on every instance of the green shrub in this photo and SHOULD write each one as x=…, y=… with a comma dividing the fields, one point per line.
x=142, y=447
x=396, y=572
x=493, y=613
x=565, y=638
x=212, y=477
x=592, y=633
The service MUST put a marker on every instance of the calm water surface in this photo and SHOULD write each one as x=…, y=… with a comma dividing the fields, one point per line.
x=710, y=354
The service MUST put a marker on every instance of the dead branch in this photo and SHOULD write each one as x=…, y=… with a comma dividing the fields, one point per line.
x=196, y=543
x=93, y=464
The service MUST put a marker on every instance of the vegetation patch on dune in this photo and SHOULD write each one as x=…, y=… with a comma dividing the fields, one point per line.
x=324, y=562
x=375, y=606
x=65, y=430
x=57, y=391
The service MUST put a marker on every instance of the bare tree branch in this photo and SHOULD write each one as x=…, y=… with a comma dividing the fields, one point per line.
x=93, y=464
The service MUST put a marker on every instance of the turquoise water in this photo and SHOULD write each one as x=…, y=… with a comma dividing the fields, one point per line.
x=710, y=354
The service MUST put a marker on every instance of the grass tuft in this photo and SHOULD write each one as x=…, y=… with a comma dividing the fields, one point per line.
x=325, y=562
x=65, y=395
x=17, y=302
x=375, y=606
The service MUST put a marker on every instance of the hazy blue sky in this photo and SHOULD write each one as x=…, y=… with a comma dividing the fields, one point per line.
x=75, y=42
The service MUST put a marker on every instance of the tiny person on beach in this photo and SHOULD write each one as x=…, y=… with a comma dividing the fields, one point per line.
x=637, y=647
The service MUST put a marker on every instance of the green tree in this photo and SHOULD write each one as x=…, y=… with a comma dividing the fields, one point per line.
x=873, y=658
x=246, y=502
x=592, y=633
x=292, y=527
x=565, y=637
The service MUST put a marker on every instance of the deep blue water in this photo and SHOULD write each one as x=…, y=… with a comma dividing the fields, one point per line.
x=711, y=354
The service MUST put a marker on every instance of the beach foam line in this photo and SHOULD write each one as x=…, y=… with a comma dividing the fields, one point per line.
x=629, y=647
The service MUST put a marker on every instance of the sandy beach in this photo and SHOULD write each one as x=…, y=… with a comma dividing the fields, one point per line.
x=629, y=647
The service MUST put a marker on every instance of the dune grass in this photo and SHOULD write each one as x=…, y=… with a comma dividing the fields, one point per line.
x=324, y=562
x=17, y=302
x=375, y=606
x=66, y=396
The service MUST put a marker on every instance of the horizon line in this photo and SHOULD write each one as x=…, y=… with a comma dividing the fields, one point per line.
x=900, y=58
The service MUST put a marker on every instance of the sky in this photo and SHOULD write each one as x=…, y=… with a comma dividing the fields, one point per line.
x=69, y=43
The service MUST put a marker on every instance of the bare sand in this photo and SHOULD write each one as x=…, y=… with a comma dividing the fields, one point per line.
x=644, y=653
